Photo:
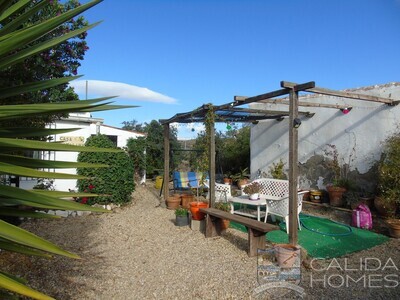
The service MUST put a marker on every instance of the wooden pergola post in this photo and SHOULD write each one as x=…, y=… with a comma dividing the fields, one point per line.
x=166, y=162
x=212, y=165
x=293, y=159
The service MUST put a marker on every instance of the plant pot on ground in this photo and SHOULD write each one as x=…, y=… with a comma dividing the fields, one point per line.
x=195, y=210
x=186, y=199
x=224, y=206
x=394, y=227
x=181, y=217
x=173, y=202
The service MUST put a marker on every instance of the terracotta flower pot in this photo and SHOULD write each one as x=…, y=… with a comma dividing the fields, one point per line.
x=186, y=199
x=335, y=195
x=173, y=202
x=195, y=210
x=224, y=224
x=394, y=227
x=242, y=182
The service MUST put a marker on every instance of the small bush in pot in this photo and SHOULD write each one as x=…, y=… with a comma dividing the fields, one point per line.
x=252, y=188
x=181, y=217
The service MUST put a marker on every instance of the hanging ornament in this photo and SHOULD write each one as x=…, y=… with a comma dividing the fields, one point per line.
x=228, y=126
x=192, y=129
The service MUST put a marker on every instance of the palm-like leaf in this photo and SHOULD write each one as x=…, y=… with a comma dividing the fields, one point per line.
x=15, y=39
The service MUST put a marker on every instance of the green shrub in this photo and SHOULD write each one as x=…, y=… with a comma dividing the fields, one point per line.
x=115, y=184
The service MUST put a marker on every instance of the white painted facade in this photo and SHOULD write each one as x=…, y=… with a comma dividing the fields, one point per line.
x=86, y=126
x=363, y=129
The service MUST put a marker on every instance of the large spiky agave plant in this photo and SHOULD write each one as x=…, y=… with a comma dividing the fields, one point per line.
x=15, y=39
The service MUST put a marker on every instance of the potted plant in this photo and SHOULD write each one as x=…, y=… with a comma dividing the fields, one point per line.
x=341, y=183
x=252, y=189
x=181, y=217
x=241, y=178
x=224, y=206
x=277, y=171
x=227, y=179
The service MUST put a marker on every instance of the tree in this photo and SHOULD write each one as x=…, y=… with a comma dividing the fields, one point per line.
x=58, y=61
x=133, y=125
x=136, y=149
x=13, y=37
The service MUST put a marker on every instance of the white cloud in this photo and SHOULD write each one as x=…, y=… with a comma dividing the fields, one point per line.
x=122, y=90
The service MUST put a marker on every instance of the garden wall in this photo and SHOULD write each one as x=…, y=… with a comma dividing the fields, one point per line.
x=358, y=136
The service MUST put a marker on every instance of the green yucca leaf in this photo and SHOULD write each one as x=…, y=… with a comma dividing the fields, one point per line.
x=32, y=132
x=7, y=143
x=12, y=169
x=9, y=211
x=6, y=245
x=15, y=23
x=20, y=236
x=15, y=40
x=52, y=164
x=63, y=194
x=23, y=54
x=13, y=9
x=34, y=86
x=39, y=199
x=11, y=284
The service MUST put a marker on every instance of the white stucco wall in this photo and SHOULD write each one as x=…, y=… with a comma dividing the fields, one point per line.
x=363, y=129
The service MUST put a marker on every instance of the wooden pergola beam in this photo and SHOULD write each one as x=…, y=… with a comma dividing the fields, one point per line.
x=342, y=94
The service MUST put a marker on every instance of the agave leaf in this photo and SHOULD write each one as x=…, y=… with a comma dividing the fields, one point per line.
x=6, y=245
x=34, y=86
x=20, y=236
x=8, y=211
x=7, y=143
x=32, y=132
x=9, y=283
x=53, y=164
x=28, y=172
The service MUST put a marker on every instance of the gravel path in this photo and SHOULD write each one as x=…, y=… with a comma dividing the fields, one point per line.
x=137, y=252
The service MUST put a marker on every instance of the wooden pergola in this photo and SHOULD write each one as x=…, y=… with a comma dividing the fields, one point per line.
x=231, y=112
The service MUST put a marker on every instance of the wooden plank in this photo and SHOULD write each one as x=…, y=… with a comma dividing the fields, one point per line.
x=293, y=161
x=298, y=87
x=301, y=103
x=349, y=95
x=250, y=223
x=256, y=240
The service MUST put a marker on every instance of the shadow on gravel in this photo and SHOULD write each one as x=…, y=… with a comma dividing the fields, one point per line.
x=60, y=277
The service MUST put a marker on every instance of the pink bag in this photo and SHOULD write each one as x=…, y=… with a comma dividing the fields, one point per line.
x=362, y=217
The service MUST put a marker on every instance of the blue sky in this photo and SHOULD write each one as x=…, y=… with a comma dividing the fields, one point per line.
x=170, y=56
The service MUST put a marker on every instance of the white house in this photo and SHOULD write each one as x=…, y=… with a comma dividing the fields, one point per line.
x=87, y=126
x=358, y=134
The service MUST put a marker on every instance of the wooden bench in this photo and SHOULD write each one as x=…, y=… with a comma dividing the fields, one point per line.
x=256, y=230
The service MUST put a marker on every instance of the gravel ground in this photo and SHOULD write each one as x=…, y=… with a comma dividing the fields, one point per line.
x=137, y=252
